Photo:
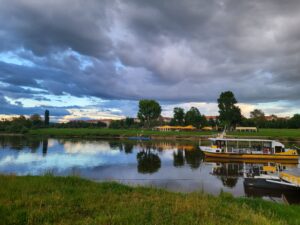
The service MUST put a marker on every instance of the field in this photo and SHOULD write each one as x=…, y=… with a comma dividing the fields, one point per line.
x=271, y=133
x=72, y=200
x=105, y=132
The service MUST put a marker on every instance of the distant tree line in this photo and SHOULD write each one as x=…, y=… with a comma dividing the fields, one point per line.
x=191, y=117
x=258, y=119
x=149, y=115
x=229, y=116
x=124, y=124
x=22, y=124
x=78, y=124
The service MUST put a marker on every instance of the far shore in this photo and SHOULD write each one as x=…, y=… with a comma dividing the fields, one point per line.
x=289, y=134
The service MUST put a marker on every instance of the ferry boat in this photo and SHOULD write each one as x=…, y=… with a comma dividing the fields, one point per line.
x=233, y=148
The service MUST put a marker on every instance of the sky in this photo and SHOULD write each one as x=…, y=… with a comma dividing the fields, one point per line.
x=96, y=58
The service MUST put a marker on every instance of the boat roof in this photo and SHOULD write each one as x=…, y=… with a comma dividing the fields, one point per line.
x=241, y=139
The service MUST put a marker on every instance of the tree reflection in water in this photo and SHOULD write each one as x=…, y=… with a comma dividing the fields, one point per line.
x=193, y=158
x=128, y=148
x=228, y=173
x=229, y=181
x=148, y=161
x=178, y=158
x=19, y=142
x=115, y=145
x=34, y=145
x=45, y=147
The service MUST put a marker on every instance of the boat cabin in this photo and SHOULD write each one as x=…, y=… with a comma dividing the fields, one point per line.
x=257, y=146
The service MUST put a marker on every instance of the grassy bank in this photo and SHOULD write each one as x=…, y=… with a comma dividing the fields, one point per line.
x=105, y=132
x=57, y=200
x=271, y=133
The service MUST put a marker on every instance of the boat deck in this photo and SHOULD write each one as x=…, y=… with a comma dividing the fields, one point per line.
x=292, y=178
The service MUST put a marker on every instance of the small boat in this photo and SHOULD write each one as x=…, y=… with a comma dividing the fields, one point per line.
x=286, y=196
x=139, y=138
x=234, y=148
x=270, y=178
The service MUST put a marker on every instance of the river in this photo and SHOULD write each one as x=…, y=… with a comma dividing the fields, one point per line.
x=173, y=165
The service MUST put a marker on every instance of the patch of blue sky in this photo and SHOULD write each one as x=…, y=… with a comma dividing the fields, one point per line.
x=64, y=100
x=3, y=84
x=83, y=61
x=119, y=66
x=32, y=89
x=12, y=57
x=280, y=108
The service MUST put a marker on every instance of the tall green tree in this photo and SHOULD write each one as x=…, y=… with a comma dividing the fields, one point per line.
x=178, y=116
x=294, y=122
x=257, y=113
x=47, y=119
x=194, y=117
x=230, y=114
x=258, y=117
x=149, y=110
x=36, y=120
x=128, y=122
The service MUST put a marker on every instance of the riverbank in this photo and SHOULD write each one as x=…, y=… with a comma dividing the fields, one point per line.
x=118, y=133
x=270, y=133
x=72, y=200
x=291, y=134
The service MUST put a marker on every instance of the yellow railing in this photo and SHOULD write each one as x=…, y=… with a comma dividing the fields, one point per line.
x=288, y=152
x=290, y=178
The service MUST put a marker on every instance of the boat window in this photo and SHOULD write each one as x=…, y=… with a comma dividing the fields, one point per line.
x=278, y=149
x=220, y=144
x=255, y=145
x=267, y=144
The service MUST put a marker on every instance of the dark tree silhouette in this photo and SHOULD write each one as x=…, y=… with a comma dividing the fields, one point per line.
x=149, y=110
x=47, y=118
x=178, y=158
x=148, y=162
x=230, y=114
x=193, y=158
x=128, y=147
x=178, y=117
x=45, y=147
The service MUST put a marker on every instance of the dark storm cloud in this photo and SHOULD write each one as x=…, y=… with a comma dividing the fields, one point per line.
x=45, y=26
x=168, y=50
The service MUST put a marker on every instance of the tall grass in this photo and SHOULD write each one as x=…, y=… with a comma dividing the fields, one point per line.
x=71, y=200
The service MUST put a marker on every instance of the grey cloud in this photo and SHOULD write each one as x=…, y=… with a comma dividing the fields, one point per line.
x=172, y=51
x=46, y=26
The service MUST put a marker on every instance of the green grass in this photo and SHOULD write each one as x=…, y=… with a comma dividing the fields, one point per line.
x=105, y=132
x=271, y=133
x=71, y=200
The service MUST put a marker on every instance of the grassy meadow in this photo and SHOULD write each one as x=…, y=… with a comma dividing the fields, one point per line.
x=72, y=200
x=105, y=132
x=271, y=133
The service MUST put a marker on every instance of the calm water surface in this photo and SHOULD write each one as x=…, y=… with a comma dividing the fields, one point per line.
x=176, y=166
